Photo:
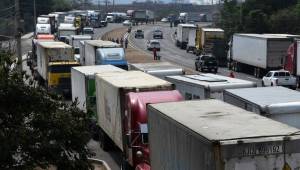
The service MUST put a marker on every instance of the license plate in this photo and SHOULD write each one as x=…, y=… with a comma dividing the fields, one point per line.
x=261, y=150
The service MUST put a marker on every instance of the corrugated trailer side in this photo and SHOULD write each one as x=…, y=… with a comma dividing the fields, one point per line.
x=250, y=50
x=78, y=88
x=213, y=135
x=111, y=90
x=89, y=54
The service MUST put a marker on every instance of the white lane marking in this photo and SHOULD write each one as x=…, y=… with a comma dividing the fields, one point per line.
x=252, y=78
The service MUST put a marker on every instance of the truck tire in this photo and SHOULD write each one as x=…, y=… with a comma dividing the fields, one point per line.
x=125, y=165
x=262, y=84
x=196, y=68
x=104, y=140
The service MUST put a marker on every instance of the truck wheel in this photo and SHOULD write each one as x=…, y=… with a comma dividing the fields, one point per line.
x=196, y=68
x=104, y=141
x=125, y=165
x=271, y=84
x=263, y=84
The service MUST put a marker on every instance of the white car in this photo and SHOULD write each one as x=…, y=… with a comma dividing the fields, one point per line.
x=164, y=20
x=153, y=44
x=280, y=78
x=127, y=23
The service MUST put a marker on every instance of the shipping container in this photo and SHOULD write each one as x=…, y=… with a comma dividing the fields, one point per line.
x=182, y=34
x=213, y=135
x=258, y=53
x=111, y=90
x=83, y=84
x=159, y=69
x=205, y=86
x=278, y=103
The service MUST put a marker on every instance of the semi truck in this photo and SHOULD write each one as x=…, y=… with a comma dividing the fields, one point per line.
x=42, y=29
x=143, y=16
x=206, y=86
x=54, y=62
x=258, y=53
x=83, y=85
x=213, y=135
x=99, y=52
x=278, y=103
x=182, y=34
x=66, y=30
x=292, y=59
x=191, y=45
x=74, y=41
x=158, y=69
x=122, y=116
x=50, y=19
x=211, y=41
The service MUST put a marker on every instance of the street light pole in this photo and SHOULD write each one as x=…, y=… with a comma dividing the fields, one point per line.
x=34, y=16
x=18, y=34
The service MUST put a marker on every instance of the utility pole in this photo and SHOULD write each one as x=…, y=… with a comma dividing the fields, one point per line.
x=34, y=16
x=18, y=33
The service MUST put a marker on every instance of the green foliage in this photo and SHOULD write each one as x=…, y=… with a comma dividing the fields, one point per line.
x=257, y=16
x=36, y=129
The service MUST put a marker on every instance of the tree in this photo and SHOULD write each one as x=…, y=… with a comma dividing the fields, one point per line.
x=256, y=22
x=36, y=128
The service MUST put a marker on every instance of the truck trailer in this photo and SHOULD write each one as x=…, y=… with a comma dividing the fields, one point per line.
x=213, y=135
x=182, y=34
x=292, y=60
x=278, y=103
x=211, y=41
x=83, y=85
x=258, y=53
x=65, y=30
x=122, y=116
x=74, y=41
x=206, y=86
x=54, y=62
x=99, y=52
x=158, y=69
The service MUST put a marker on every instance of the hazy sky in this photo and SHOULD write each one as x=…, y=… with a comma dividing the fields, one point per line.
x=192, y=1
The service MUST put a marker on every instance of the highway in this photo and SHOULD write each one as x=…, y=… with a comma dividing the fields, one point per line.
x=169, y=52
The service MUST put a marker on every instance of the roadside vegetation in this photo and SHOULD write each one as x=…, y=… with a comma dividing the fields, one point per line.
x=257, y=16
x=38, y=129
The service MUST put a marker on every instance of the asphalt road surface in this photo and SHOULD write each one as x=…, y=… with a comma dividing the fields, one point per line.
x=169, y=52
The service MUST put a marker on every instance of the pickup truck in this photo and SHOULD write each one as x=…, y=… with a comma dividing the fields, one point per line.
x=280, y=78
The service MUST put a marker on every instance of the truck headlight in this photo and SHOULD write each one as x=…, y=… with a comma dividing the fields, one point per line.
x=139, y=154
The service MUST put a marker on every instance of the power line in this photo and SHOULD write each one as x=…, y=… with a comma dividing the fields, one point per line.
x=5, y=9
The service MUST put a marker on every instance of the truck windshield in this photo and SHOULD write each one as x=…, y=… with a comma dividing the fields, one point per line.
x=60, y=68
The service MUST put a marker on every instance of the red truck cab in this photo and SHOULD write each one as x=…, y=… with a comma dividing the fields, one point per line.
x=136, y=130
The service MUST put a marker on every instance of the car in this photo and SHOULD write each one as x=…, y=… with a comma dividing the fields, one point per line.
x=139, y=34
x=157, y=34
x=127, y=23
x=164, y=20
x=153, y=44
x=88, y=31
x=280, y=78
x=206, y=63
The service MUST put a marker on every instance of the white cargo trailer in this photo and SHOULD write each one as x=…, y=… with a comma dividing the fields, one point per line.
x=182, y=35
x=111, y=90
x=192, y=41
x=83, y=83
x=258, y=53
x=74, y=41
x=205, y=86
x=213, y=135
x=278, y=103
x=159, y=69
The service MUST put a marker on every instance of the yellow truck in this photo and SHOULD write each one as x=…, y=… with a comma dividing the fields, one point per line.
x=54, y=62
x=211, y=41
